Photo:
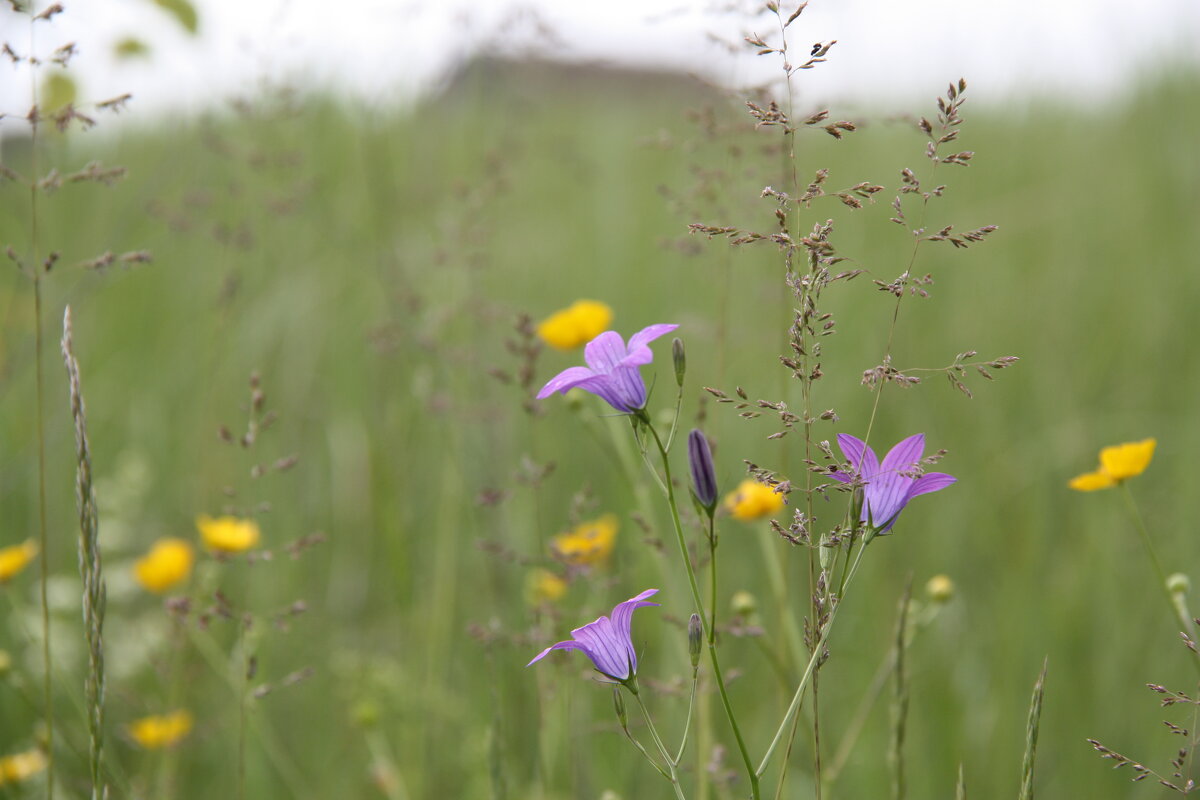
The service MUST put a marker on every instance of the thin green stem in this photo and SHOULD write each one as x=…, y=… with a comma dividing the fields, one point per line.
x=208, y=649
x=712, y=572
x=675, y=419
x=699, y=603
x=794, y=707
x=1159, y=572
x=687, y=722
x=673, y=777
x=243, y=690
x=43, y=536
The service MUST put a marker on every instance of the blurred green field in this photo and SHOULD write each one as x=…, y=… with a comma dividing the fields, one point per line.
x=370, y=265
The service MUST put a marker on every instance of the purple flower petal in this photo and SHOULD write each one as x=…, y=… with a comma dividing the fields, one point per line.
x=622, y=615
x=930, y=482
x=638, y=352
x=567, y=645
x=604, y=353
x=567, y=379
x=885, y=498
x=860, y=457
x=905, y=456
x=650, y=333
x=604, y=647
x=623, y=388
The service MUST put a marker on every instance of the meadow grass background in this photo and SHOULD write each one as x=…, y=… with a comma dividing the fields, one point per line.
x=370, y=264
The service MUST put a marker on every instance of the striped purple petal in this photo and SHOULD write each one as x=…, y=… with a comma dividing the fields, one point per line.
x=567, y=379
x=930, y=482
x=604, y=353
x=860, y=457
x=638, y=353
x=607, y=641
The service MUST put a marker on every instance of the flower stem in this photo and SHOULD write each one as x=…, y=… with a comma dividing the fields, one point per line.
x=1176, y=609
x=672, y=776
x=43, y=536
x=669, y=489
x=687, y=722
x=812, y=664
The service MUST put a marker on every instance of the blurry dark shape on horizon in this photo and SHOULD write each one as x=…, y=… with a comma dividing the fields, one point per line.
x=534, y=79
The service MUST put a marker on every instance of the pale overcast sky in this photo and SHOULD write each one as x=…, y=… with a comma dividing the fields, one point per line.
x=390, y=50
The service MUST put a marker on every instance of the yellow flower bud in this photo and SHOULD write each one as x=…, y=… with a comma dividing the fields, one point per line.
x=940, y=589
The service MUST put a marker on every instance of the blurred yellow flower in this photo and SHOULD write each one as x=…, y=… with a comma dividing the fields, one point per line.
x=228, y=534
x=169, y=562
x=576, y=325
x=1117, y=463
x=21, y=766
x=154, y=733
x=16, y=558
x=545, y=587
x=940, y=588
x=590, y=543
x=753, y=500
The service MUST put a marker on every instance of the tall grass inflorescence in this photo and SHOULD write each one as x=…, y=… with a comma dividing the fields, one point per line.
x=89, y=567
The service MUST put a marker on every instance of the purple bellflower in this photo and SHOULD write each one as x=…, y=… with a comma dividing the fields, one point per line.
x=607, y=641
x=612, y=369
x=888, y=487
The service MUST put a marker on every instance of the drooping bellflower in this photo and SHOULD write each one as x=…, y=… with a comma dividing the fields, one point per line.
x=612, y=369
x=607, y=641
x=888, y=487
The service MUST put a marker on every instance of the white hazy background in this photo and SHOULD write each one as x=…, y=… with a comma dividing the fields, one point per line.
x=391, y=52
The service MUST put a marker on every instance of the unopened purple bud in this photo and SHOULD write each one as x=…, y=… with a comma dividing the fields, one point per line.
x=704, y=477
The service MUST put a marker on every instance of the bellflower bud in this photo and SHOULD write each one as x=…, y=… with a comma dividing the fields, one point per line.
x=619, y=707
x=940, y=589
x=680, y=359
x=704, y=477
x=695, y=639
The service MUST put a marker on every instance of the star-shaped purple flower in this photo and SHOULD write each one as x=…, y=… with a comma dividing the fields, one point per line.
x=612, y=369
x=607, y=641
x=888, y=487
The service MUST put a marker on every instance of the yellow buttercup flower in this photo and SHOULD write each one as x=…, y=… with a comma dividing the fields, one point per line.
x=576, y=325
x=1091, y=481
x=590, y=543
x=228, y=534
x=545, y=587
x=753, y=500
x=1127, y=460
x=155, y=733
x=1117, y=463
x=168, y=563
x=16, y=558
x=21, y=766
